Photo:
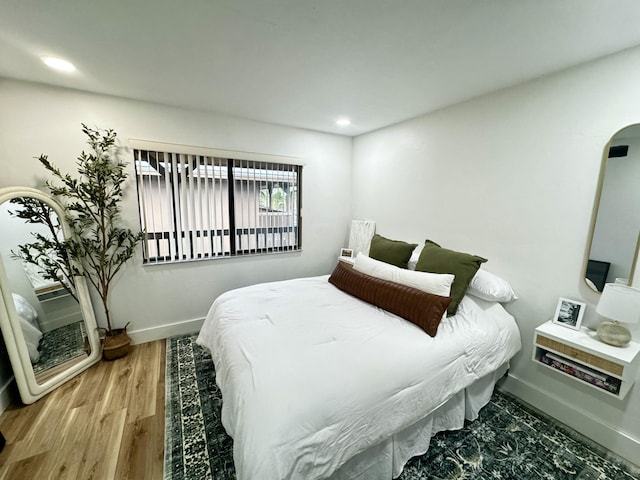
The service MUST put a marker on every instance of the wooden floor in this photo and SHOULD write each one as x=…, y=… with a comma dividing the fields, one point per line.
x=106, y=423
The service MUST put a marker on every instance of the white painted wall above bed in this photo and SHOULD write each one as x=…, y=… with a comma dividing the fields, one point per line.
x=512, y=177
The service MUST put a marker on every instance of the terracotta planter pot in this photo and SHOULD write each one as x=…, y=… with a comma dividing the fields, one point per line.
x=116, y=344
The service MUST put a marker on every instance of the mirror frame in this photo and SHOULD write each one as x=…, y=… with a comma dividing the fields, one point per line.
x=29, y=389
x=596, y=208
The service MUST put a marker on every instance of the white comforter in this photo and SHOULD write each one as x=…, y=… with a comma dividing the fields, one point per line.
x=311, y=376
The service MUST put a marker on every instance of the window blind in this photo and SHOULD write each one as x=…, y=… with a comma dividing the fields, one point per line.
x=196, y=206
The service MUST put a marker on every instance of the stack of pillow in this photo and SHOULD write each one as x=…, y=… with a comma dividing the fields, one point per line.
x=418, y=283
x=462, y=269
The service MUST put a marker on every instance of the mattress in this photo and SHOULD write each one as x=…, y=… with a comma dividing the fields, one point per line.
x=311, y=377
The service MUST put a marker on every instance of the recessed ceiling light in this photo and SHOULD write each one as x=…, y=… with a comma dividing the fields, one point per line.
x=343, y=122
x=59, y=64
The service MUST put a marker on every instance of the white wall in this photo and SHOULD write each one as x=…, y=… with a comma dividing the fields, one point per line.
x=512, y=177
x=37, y=119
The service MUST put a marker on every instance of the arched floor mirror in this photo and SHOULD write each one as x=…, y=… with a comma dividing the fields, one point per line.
x=46, y=316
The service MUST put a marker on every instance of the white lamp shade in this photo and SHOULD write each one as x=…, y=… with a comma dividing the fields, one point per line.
x=620, y=303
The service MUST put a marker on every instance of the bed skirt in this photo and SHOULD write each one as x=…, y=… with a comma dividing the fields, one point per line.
x=387, y=459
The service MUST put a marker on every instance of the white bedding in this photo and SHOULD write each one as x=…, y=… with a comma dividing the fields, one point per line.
x=29, y=323
x=311, y=376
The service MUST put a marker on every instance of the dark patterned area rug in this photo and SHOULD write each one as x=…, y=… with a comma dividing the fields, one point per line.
x=508, y=441
x=60, y=345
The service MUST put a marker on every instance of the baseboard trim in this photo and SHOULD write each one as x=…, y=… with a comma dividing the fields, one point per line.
x=5, y=394
x=60, y=322
x=618, y=442
x=165, y=331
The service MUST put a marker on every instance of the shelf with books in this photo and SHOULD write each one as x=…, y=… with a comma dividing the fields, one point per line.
x=580, y=355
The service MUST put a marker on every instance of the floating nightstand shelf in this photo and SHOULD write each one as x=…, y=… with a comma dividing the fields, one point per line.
x=580, y=355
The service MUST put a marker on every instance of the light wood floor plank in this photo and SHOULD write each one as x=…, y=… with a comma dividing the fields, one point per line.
x=133, y=455
x=116, y=393
x=5, y=457
x=35, y=442
x=72, y=443
x=107, y=423
x=100, y=460
x=15, y=422
x=157, y=443
x=142, y=387
x=52, y=418
x=94, y=383
x=30, y=467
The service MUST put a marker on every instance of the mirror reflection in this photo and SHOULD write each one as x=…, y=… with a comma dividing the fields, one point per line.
x=42, y=289
x=614, y=240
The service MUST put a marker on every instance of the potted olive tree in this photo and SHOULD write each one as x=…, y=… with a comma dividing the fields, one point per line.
x=99, y=245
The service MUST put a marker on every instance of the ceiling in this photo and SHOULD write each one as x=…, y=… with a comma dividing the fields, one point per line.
x=306, y=63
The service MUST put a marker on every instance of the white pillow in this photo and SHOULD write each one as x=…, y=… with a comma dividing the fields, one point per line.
x=29, y=323
x=491, y=287
x=25, y=310
x=32, y=337
x=375, y=268
x=437, y=284
x=415, y=256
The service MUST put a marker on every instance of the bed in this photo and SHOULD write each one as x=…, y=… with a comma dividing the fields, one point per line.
x=317, y=383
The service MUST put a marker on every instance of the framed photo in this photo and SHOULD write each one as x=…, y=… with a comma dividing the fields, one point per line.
x=346, y=252
x=569, y=313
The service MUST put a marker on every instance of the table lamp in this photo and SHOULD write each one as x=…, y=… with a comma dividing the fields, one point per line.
x=618, y=303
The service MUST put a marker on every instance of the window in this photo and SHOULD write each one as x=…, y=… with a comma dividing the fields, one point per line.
x=204, y=206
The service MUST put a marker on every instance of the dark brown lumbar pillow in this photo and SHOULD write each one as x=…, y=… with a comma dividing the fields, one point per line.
x=421, y=308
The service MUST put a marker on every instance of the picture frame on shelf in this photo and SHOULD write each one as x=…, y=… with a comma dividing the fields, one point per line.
x=346, y=252
x=569, y=313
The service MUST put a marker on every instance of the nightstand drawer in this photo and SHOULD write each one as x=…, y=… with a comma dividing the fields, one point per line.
x=579, y=355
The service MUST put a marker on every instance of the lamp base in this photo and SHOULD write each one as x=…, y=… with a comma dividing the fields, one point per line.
x=614, y=334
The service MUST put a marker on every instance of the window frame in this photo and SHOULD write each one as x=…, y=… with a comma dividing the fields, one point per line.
x=234, y=160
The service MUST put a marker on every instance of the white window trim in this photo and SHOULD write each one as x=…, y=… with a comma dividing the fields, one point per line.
x=155, y=146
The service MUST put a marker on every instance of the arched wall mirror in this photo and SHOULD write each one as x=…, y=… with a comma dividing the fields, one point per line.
x=613, y=247
x=46, y=316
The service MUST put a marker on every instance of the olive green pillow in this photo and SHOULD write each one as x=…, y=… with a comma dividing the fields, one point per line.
x=394, y=252
x=436, y=259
